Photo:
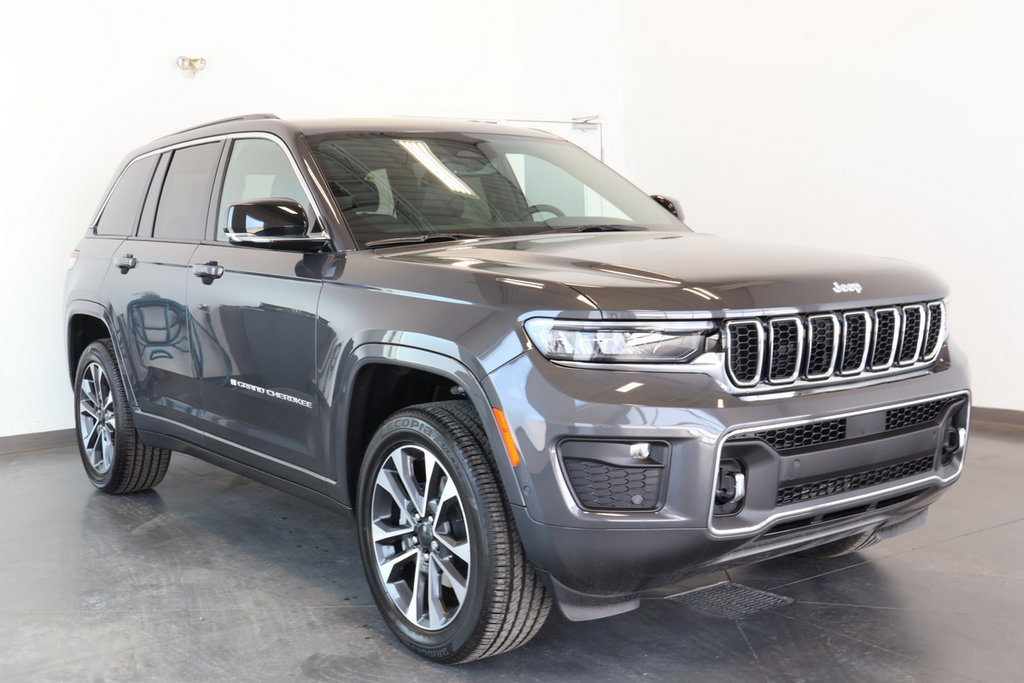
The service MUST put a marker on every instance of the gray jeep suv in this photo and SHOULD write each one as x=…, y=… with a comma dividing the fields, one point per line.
x=529, y=381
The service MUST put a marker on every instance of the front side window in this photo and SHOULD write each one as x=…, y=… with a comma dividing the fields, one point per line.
x=122, y=208
x=404, y=186
x=258, y=169
x=185, y=198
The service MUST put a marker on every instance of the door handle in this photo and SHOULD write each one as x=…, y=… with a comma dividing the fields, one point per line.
x=125, y=263
x=207, y=272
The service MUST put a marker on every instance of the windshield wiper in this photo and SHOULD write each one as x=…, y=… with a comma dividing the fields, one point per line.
x=598, y=228
x=422, y=239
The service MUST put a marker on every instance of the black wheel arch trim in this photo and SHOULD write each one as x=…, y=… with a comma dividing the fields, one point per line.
x=425, y=360
x=94, y=309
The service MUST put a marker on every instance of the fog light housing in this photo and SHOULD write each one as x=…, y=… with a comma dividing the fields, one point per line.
x=608, y=475
x=730, y=488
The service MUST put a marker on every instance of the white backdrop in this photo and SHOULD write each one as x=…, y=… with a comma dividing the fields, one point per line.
x=891, y=127
x=885, y=127
x=87, y=82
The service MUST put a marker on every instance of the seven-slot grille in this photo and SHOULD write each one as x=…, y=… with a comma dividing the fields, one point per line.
x=780, y=350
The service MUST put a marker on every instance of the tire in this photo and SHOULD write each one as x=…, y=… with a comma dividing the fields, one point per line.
x=438, y=541
x=115, y=459
x=844, y=546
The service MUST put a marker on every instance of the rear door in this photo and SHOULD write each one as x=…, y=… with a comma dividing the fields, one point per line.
x=255, y=327
x=147, y=284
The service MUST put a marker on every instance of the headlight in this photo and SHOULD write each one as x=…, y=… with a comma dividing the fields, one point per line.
x=615, y=342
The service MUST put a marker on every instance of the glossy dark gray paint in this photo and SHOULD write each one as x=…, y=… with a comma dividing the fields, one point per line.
x=303, y=325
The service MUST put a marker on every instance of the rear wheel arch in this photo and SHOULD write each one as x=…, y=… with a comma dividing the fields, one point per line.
x=83, y=329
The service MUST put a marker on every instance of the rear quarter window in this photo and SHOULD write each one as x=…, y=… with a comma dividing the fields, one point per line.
x=121, y=212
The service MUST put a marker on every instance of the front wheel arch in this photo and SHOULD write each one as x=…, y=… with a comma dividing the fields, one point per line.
x=351, y=433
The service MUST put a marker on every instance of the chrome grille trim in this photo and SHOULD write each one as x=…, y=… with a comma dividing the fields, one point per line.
x=934, y=336
x=834, y=343
x=910, y=347
x=730, y=343
x=774, y=351
x=847, y=339
x=882, y=354
x=863, y=342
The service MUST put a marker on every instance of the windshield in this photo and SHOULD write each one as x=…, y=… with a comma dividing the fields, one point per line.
x=410, y=186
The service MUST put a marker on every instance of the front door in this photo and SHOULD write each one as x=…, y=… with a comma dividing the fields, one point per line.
x=255, y=328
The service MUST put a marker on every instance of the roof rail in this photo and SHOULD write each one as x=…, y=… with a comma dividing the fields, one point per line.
x=245, y=117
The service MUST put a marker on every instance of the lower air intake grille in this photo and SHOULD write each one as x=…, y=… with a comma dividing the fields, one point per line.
x=600, y=486
x=909, y=416
x=851, y=482
x=801, y=436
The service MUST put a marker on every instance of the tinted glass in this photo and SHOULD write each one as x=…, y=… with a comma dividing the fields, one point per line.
x=258, y=169
x=185, y=199
x=122, y=209
x=396, y=186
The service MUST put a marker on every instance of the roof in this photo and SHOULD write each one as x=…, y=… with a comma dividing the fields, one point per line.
x=268, y=122
x=287, y=130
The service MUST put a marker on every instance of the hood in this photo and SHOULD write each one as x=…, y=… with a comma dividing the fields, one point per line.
x=640, y=272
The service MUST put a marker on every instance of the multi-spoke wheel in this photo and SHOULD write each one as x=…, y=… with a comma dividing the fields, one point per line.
x=97, y=422
x=420, y=543
x=439, y=545
x=115, y=459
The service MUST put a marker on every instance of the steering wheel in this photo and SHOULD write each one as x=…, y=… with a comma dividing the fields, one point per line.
x=538, y=208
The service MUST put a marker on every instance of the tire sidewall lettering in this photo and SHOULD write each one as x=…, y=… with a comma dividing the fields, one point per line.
x=412, y=429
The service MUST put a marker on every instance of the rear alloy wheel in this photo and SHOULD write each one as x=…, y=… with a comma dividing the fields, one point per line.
x=439, y=545
x=97, y=421
x=115, y=459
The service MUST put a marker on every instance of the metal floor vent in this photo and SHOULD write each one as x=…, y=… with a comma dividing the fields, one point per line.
x=730, y=600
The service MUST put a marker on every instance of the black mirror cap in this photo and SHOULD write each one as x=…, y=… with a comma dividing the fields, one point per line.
x=273, y=217
x=669, y=204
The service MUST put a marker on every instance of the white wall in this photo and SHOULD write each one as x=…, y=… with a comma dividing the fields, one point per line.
x=890, y=127
x=84, y=83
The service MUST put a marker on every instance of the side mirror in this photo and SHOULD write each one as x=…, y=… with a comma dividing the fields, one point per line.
x=271, y=222
x=669, y=204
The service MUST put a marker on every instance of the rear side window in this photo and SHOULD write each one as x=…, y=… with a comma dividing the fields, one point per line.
x=185, y=198
x=122, y=209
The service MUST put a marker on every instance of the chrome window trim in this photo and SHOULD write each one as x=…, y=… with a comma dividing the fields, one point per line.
x=895, y=338
x=847, y=500
x=220, y=138
x=771, y=345
x=835, y=344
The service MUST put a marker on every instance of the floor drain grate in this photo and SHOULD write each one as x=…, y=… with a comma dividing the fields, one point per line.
x=730, y=600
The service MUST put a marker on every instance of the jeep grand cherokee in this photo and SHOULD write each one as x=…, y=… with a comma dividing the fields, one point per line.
x=530, y=382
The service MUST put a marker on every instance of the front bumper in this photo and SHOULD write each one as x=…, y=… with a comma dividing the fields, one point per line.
x=601, y=550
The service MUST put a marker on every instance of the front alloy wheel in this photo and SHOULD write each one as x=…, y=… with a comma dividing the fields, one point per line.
x=420, y=544
x=439, y=545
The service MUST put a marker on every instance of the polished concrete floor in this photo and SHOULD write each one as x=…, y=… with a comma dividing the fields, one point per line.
x=216, y=578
